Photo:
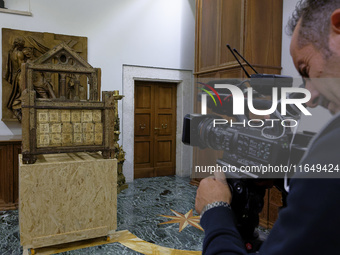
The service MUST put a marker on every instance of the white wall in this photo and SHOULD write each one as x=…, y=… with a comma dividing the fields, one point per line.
x=157, y=33
x=319, y=115
x=287, y=62
x=18, y=5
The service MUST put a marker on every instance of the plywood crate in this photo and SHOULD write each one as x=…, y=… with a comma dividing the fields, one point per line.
x=67, y=197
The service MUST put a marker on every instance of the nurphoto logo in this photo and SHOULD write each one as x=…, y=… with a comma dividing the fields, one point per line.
x=238, y=104
x=238, y=99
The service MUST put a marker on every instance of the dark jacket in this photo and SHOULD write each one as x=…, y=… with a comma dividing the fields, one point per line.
x=310, y=224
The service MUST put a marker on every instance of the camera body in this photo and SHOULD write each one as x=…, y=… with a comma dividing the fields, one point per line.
x=241, y=145
x=268, y=144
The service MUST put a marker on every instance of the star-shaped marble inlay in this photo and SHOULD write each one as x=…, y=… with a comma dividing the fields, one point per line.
x=183, y=219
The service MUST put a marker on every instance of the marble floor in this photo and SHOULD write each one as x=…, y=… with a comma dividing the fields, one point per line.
x=139, y=211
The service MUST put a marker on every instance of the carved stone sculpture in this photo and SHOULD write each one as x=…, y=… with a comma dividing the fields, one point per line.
x=23, y=47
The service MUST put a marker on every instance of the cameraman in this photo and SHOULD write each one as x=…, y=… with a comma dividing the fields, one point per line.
x=310, y=224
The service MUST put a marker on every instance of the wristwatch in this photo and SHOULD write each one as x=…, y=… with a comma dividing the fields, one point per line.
x=213, y=205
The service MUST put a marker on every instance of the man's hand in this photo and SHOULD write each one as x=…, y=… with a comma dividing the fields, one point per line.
x=212, y=189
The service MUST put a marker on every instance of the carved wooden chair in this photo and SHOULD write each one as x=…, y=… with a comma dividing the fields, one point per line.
x=71, y=118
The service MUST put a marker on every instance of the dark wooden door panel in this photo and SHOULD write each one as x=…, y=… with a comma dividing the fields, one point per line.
x=4, y=194
x=144, y=173
x=164, y=96
x=142, y=124
x=165, y=124
x=10, y=147
x=209, y=21
x=142, y=153
x=164, y=154
x=16, y=152
x=231, y=30
x=144, y=99
x=155, y=129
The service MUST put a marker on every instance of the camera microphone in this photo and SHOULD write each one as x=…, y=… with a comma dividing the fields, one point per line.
x=263, y=83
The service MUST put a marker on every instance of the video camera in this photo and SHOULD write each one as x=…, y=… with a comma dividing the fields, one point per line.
x=249, y=144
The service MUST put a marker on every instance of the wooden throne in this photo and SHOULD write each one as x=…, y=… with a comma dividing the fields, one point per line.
x=72, y=118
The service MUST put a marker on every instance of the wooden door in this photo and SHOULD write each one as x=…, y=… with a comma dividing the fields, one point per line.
x=16, y=152
x=155, y=129
x=9, y=170
x=4, y=176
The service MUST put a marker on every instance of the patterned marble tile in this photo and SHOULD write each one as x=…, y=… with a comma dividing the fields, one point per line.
x=147, y=199
x=139, y=210
x=9, y=233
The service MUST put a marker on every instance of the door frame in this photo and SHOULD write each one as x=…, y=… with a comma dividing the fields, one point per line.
x=184, y=80
x=155, y=166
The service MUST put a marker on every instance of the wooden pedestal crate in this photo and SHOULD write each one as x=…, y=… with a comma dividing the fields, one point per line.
x=67, y=197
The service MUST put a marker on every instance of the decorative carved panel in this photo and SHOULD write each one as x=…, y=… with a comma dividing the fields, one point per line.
x=62, y=123
x=55, y=128
x=24, y=46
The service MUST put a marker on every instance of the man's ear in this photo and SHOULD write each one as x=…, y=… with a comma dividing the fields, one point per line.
x=335, y=21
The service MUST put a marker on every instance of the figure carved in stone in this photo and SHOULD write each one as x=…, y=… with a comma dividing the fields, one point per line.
x=20, y=47
x=18, y=55
x=75, y=90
